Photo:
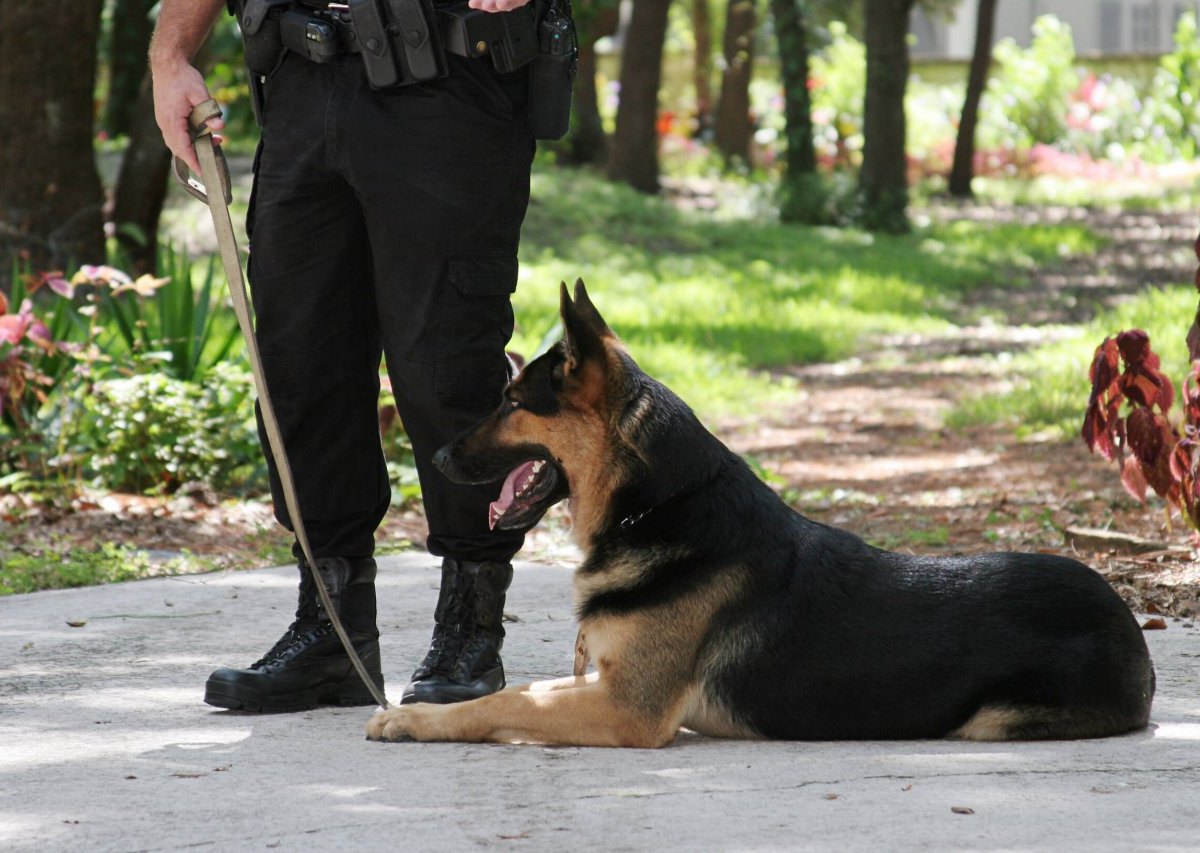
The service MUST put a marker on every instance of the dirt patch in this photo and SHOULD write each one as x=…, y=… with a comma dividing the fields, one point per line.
x=863, y=446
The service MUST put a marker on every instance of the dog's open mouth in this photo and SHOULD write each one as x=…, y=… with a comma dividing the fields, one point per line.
x=528, y=491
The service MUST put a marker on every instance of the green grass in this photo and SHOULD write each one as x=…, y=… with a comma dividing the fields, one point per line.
x=53, y=565
x=1127, y=193
x=1052, y=389
x=708, y=303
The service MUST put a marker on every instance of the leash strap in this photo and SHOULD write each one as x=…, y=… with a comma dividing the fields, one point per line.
x=215, y=172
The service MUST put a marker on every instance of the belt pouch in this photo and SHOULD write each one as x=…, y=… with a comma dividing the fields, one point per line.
x=312, y=38
x=369, y=24
x=416, y=42
x=509, y=38
x=260, y=34
x=552, y=75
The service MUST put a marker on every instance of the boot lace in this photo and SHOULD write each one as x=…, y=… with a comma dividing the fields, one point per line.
x=299, y=633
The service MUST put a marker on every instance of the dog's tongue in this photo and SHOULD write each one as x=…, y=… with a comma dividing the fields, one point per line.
x=500, y=505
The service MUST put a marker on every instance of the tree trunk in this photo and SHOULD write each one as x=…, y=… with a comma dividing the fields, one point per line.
x=633, y=154
x=50, y=193
x=588, y=142
x=733, y=127
x=142, y=182
x=141, y=187
x=702, y=67
x=803, y=196
x=128, y=46
x=963, y=169
x=883, y=180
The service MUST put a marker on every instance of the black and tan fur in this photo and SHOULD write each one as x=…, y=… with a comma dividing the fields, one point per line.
x=705, y=602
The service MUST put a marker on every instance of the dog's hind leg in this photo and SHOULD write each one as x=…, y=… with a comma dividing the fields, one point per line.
x=564, y=714
x=1044, y=723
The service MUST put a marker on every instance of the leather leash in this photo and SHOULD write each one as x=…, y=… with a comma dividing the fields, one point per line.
x=215, y=172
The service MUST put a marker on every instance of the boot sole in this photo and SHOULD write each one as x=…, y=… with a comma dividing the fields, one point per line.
x=219, y=695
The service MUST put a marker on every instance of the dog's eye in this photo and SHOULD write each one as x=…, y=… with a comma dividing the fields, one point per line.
x=512, y=405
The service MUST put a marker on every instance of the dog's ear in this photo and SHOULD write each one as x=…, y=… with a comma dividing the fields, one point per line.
x=584, y=329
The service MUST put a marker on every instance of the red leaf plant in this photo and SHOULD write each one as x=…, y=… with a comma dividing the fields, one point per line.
x=1152, y=452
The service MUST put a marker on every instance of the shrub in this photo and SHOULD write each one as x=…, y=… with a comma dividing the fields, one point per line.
x=1029, y=95
x=1173, y=118
x=152, y=433
x=1152, y=453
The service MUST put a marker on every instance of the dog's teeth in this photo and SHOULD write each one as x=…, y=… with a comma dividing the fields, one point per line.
x=538, y=466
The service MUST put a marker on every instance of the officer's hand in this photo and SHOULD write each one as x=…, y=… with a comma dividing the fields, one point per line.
x=496, y=5
x=178, y=87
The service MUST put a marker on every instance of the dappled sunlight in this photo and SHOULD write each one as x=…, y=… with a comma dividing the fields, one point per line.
x=1177, y=731
x=28, y=747
x=878, y=467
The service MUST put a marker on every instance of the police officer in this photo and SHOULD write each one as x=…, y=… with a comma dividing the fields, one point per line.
x=381, y=222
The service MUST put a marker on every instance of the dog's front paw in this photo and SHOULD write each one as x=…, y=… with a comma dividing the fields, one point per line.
x=392, y=725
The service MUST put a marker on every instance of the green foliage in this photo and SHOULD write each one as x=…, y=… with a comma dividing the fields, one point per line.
x=1175, y=92
x=1032, y=86
x=55, y=565
x=1051, y=392
x=181, y=324
x=152, y=433
x=710, y=306
x=839, y=83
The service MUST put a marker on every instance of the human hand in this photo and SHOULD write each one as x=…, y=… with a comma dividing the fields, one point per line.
x=496, y=5
x=178, y=87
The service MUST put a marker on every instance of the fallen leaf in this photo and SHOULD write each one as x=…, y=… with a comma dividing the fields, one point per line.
x=130, y=777
x=187, y=775
x=962, y=810
x=517, y=837
x=831, y=796
x=907, y=787
x=1155, y=624
x=76, y=623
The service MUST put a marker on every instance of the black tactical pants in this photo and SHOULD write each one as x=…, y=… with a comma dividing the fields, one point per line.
x=386, y=222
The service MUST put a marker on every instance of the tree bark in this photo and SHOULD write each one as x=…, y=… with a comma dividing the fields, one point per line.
x=50, y=194
x=633, y=154
x=141, y=187
x=733, y=127
x=883, y=180
x=803, y=197
x=588, y=143
x=128, y=45
x=702, y=66
x=963, y=169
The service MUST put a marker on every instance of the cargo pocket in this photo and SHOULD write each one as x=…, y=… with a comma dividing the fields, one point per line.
x=476, y=325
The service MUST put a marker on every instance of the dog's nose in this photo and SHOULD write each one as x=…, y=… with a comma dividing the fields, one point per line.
x=442, y=458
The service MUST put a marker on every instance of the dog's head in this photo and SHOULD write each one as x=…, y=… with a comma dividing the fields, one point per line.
x=553, y=434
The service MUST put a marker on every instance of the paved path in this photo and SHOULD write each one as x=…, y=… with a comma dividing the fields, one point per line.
x=105, y=745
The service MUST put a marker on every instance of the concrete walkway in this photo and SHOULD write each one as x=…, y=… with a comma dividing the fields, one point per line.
x=106, y=745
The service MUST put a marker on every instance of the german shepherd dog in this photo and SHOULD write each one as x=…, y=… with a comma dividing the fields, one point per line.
x=707, y=603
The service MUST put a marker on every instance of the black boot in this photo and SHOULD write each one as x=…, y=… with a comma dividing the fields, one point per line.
x=308, y=667
x=449, y=624
x=475, y=668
